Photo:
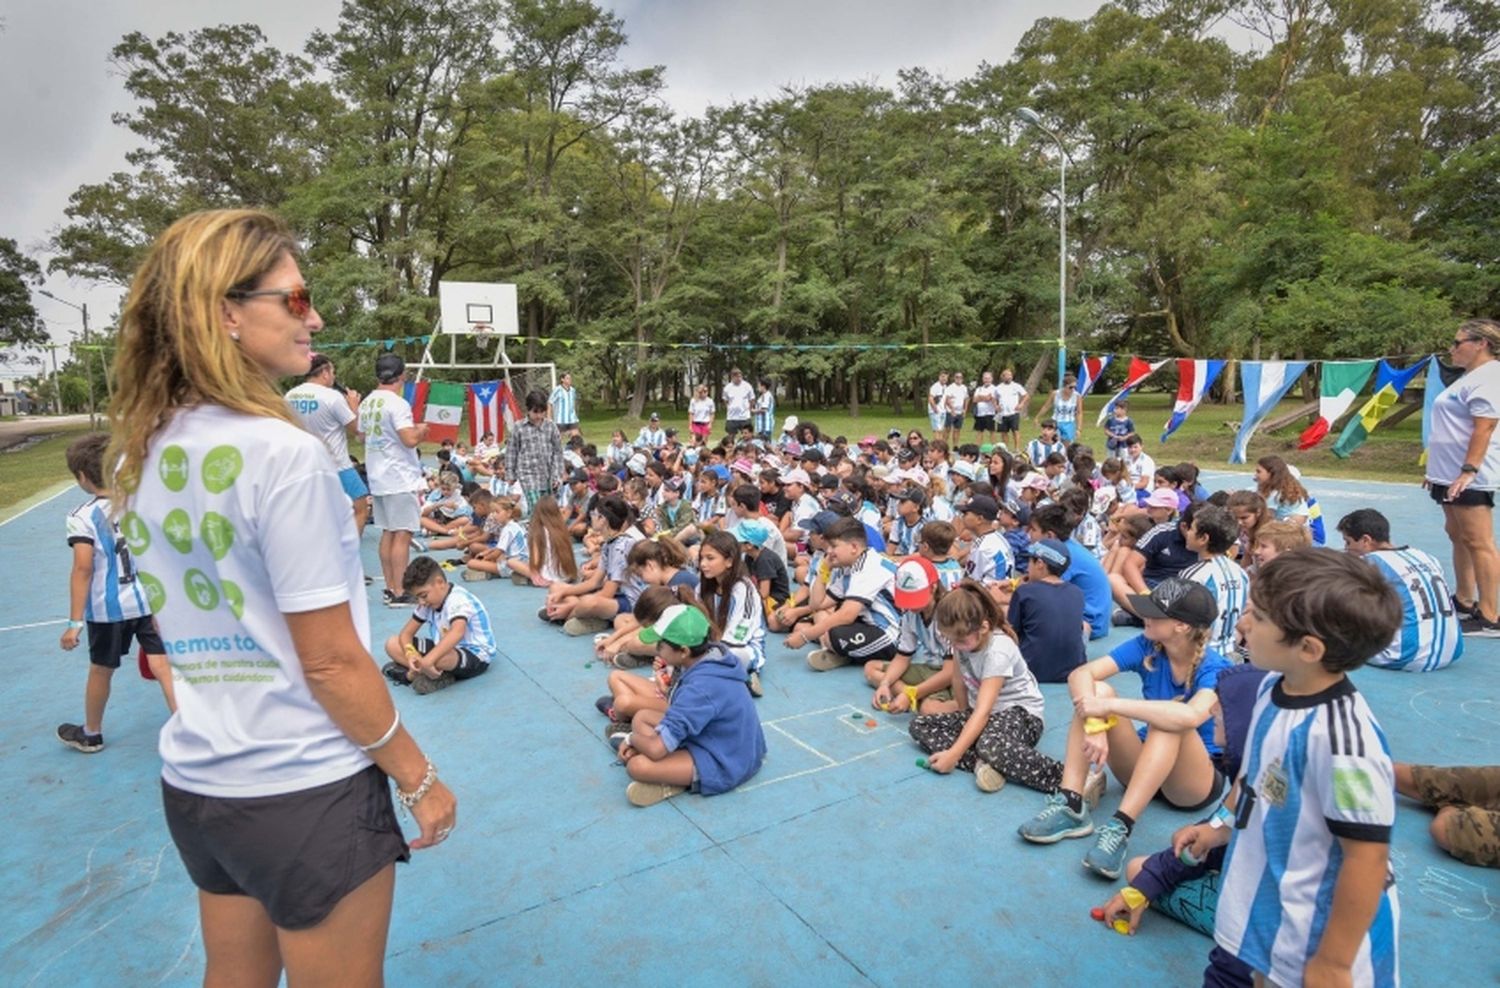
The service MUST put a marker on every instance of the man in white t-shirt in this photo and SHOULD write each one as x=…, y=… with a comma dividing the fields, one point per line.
x=937, y=414
x=1010, y=404
x=984, y=408
x=955, y=402
x=395, y=471
x=739, y=397
x=331, y=413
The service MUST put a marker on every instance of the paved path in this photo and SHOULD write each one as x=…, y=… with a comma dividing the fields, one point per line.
x=13, y=431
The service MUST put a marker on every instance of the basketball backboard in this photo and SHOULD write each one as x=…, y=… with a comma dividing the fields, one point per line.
x=463, y=305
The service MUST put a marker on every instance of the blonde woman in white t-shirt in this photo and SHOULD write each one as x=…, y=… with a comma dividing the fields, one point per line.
x=245, y=544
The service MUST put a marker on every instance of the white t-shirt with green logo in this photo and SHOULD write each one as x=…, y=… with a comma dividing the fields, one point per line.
x=391, y=466
x=239, y=520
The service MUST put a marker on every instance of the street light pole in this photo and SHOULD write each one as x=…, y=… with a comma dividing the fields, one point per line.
x=88, y=353
x=1032, y=117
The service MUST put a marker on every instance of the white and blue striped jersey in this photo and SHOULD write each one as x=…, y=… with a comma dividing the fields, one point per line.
x=460, y=603
x=1038, y=451
x=1429, y=637
x=990, y=558
x=871, y=581
x=921, y=641
x=114, y=593
x=904, y=537
x=564, y=403
x=511, y=541
x=1230, y=586
x=1317, y=768
x=765, y=413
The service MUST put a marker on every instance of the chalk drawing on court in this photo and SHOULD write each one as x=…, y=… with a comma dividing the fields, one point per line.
x=844, y=713
x=1467, y=900
x=1459, y=713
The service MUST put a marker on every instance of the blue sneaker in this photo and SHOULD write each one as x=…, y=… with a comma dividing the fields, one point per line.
x=1056, y=822
x=1107, y=857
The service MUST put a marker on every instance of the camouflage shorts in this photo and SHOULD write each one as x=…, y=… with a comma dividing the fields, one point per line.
x=1473, y=832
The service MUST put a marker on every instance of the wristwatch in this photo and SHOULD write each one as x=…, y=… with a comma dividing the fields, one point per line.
x=1468, y=468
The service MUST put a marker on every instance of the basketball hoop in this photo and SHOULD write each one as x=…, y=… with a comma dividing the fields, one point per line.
x=483, y=330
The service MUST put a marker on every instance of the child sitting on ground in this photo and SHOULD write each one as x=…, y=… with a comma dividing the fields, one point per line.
x=552, y=560
x=1316, y=798
x=767, y=570
x=922, y=666
x=446, y=639
x=1211, y=535
x=709, y=737
x=473, y=536
x=936, y=546
x=445, y=511
x=992, y=724
x=1275, y=538
x=657, y=562
x=1170, y=753
x=733, y=601
x=507, y=554
x=629, y=693
x=105, y=595
x=1047, y=614
x=862, y=624
x=606, y=591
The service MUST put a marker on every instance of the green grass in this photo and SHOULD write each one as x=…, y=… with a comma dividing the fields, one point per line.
x=1391, y=454
x=1205, y=438
x=28, y=472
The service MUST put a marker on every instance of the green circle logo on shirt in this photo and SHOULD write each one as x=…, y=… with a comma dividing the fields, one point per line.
x=234, y=597
x=221, y=467
x=217, y=534
x=173, y=468
x=137, y=533
x=156, y=594
x=200, y=590
x=178, y=528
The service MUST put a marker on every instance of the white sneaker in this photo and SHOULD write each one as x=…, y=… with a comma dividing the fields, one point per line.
x=987, y=777
x=1094, y=787
x=824, y=659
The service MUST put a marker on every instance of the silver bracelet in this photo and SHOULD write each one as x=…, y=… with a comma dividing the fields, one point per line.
x=410, y=799
x=385, y=738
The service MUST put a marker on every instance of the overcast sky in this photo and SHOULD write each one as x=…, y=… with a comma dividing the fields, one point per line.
x=60, y=90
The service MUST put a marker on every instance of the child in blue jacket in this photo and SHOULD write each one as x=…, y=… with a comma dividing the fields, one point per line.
x=709, y=737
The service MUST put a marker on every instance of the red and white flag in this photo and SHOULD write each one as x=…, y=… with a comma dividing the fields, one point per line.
x=1139, y=371
x=492, y=408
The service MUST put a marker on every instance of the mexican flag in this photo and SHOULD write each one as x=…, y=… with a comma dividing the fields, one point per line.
x=1342, y=381
x=444, y=409
x=1389, y=385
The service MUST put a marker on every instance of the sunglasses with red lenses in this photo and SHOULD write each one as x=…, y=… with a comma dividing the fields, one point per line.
x=298, y=301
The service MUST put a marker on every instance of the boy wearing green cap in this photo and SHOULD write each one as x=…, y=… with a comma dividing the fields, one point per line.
x=709, y=738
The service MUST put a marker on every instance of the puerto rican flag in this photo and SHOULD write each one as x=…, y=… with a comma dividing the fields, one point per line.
x=1090, y=369
x=1139, y=371
x=1194, y=378
x=415, y=393
x=492, y=408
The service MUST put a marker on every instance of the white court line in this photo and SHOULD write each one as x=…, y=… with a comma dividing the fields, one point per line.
x=810, y=713
x=1411, y=484
x=34, y=624
x=821, y=768
x=51, y=497
x=801, y=744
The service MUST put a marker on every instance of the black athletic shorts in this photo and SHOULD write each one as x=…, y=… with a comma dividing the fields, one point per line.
x=469, y=665
x=862, y=642
x=1215, y=791
x=1469, y=498
x=108, y=640
x=297, y=854
x=1011, y=422
x=984, y=423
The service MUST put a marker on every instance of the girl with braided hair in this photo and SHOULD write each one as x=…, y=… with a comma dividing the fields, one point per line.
x=1170, y=755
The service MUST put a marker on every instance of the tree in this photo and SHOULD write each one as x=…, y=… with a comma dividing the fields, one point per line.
x=19, y=322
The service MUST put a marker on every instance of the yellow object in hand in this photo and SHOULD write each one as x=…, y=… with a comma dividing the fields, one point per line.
x=911, y=697
x=1098, y=725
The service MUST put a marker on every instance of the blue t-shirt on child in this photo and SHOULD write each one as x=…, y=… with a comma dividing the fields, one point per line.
x=1157, y=684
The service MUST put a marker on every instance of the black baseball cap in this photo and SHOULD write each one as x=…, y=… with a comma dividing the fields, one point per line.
x=818, y=523
x=915, y=495
x=984, y=506
x=1177, y=599
x=389, y=367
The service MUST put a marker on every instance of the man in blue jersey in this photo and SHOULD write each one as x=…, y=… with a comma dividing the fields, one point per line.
x=1430, y=637
x=562, y=406
x=105, y=593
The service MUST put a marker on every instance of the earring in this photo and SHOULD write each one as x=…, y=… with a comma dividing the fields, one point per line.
x=235, y=337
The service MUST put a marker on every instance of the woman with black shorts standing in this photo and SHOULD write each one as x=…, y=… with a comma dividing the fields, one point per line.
x=1463, y=472
x=276, y=764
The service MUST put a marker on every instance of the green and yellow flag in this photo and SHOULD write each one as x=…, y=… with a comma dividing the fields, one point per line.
x=1389, y=384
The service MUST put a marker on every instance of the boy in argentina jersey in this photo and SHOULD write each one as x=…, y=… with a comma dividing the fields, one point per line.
x=1307, y=894
x=448, y=636
x=1212, y=534
x=1429, y=637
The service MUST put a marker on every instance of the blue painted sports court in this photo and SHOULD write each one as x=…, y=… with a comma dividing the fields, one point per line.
x=841, y=863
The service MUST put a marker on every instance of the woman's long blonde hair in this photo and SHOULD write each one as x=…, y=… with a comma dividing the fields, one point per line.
x=173, y=350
